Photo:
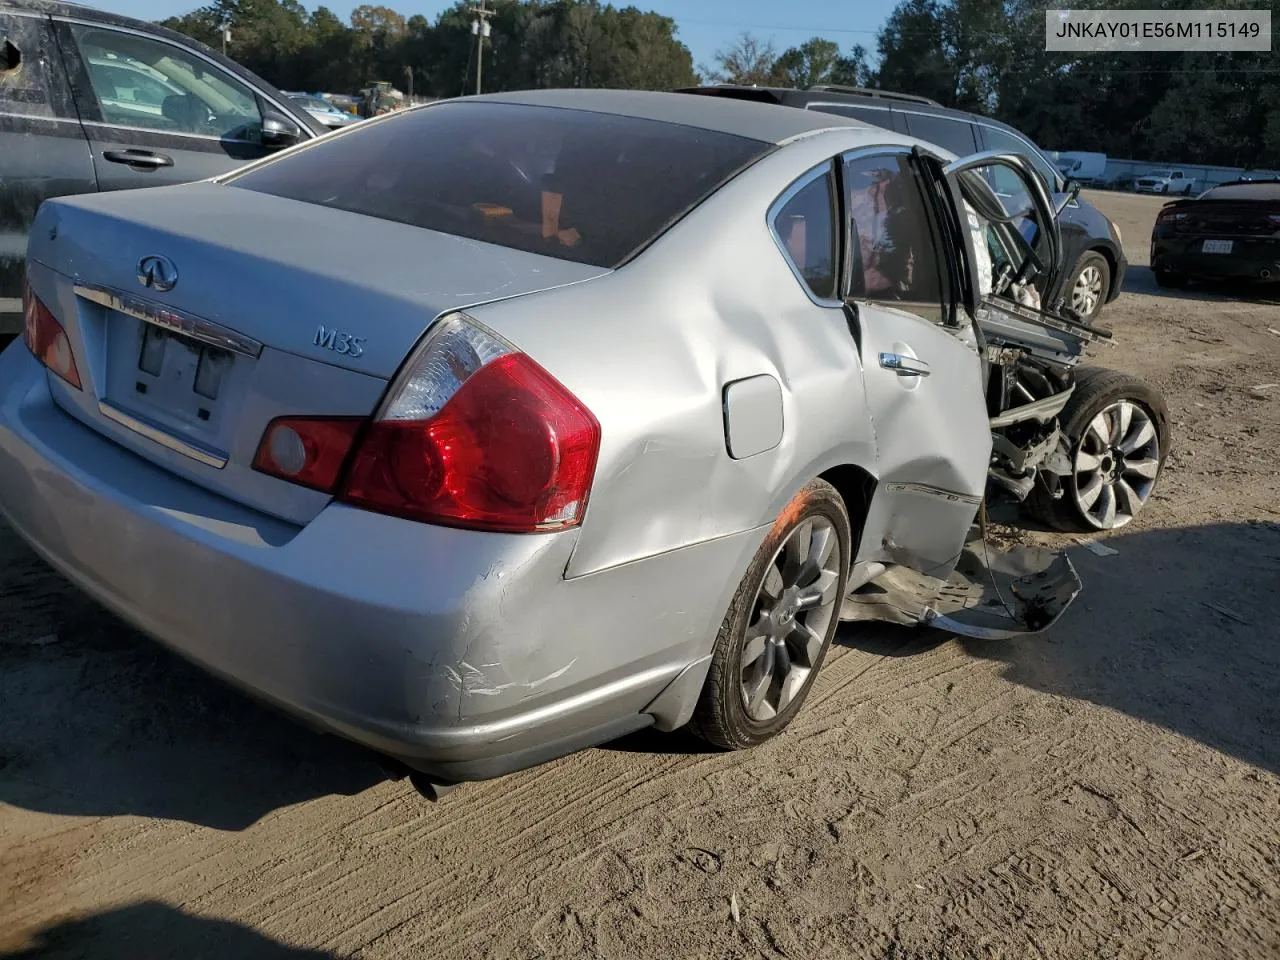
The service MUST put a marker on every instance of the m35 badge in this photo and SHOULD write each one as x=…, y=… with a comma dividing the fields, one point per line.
x=339, y=342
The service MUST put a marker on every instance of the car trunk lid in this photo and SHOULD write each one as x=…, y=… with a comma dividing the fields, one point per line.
x=200, y=313
x=1225, y=218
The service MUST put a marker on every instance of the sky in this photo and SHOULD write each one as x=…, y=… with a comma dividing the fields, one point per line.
x=705, y=26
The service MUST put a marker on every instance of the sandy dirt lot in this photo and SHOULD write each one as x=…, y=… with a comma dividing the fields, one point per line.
x=1108, y=789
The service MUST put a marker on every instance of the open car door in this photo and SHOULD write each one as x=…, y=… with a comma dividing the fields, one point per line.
x=1006, y=233
x=1013, y=241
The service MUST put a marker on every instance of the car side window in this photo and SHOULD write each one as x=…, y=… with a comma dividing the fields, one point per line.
x=998, y=139
x=876, y=116
x=895, y=255
x=948, y=133
x=32, y=83
x=805, y=225
x=147, y=83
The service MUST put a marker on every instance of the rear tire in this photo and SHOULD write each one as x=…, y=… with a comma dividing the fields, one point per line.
x=1170, y=279
x=1117, y=455
x=779, y=625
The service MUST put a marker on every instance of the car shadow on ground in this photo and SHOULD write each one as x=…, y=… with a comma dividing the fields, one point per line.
x=1142, y=280
x=97, y=719
x=1181, y=628
x=147, y=930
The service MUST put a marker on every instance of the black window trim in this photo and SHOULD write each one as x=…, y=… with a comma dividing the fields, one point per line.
x=259, y=95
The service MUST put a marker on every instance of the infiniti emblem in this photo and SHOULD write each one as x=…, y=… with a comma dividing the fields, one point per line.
x=158, y=273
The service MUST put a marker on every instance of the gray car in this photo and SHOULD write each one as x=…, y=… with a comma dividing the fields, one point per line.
x=91, y=101
x=497, y=428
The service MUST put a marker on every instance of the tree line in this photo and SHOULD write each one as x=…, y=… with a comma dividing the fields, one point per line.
x=987, y=56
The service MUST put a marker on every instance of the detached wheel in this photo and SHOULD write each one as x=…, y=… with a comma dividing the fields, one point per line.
x=1090, y=283
x=1117, y=430
x=779, y=625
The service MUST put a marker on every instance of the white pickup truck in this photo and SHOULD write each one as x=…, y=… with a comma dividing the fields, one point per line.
x=1165, y=181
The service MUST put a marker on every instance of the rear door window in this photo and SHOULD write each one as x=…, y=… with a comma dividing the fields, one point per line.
x=897, y=256
x=589, y=187
x=998, y=139
x=876, y=116
x=946, y=132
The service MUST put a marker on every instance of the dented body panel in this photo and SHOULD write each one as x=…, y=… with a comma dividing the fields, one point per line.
x=465, y=653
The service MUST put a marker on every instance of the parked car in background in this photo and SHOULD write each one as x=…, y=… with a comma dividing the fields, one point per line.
x=98, y=102
x=568, y=452
x=1231, y=231
x=1091, y=241
x=323, y=111
x=1165, y=181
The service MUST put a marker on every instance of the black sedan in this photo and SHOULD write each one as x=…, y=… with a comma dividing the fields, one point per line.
x=1231, y=232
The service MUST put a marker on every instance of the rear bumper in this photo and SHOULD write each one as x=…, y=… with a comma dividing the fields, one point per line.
x=1248, y=263
x=464, y=654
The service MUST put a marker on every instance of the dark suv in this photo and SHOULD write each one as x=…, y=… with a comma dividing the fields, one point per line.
x=1089, y=239
x=93, y=101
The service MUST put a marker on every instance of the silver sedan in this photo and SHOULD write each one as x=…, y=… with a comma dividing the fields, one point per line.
x=501, y=427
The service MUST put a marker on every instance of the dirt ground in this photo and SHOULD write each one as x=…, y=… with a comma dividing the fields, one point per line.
x=1108, y=789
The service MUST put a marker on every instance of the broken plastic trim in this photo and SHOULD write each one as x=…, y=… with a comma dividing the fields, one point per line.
x=992, y=594
x=1028, y=589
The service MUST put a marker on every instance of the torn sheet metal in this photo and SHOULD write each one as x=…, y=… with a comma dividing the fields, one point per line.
x=992, y=594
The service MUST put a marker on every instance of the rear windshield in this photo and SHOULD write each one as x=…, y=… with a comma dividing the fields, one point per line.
x=589, y=187
x=1264, y=190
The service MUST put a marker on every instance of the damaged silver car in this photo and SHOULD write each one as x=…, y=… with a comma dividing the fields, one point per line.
x=501, y=427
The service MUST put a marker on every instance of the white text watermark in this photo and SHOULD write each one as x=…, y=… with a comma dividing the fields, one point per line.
x=1186, y=31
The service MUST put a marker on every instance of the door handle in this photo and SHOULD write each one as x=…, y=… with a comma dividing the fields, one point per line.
x=904, y=366
x=138, y=158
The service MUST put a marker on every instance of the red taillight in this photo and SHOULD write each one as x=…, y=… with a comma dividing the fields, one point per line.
x=45, y=338
x=477, y=435
x=309, y=451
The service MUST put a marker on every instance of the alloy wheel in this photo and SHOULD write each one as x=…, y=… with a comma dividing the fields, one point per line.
x=1087, y=292
x=790, y=617
x=1116, y=464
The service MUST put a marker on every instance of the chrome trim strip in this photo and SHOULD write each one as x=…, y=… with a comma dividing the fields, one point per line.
x=37, y=116
x=159, y=436
x=932, y=492
x=157, y=314
x=167, y=133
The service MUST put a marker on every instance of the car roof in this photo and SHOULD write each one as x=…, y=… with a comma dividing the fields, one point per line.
x=768, y=123
x=901, y=102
